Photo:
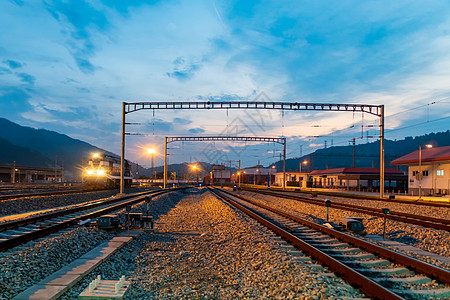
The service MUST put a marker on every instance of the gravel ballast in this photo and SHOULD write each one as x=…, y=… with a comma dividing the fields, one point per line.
x=205, y=249
x=28, y=266
x=432, y=240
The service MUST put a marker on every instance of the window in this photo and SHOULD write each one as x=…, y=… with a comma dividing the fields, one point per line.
x=440, y=172
x=415, y=173
x=425, y=173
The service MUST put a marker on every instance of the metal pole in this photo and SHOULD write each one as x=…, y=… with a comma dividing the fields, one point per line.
x=14, y=173
x=122, y=152
x=382, y=152
x=284, y=164
x=270, y=176
x=153, y=165
x=240, y=173
x=165, y=162
x=420, y=172
x=55, y=170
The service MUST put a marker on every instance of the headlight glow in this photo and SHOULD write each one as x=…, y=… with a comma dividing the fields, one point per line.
x=90, y=172
x=100, y=172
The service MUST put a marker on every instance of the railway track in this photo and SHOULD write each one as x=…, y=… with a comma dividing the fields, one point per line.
x=44, y=194
x=379, y=272
x=359, y=197
x=21, y=231
x=430, y=222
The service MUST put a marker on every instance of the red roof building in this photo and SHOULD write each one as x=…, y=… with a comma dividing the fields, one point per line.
x=430, y=174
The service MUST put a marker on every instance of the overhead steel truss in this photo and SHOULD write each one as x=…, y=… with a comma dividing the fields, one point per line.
x=366, y=108
x=376, y=110
x=172, y=139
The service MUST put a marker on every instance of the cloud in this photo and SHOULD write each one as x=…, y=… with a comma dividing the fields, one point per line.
x=183, y=70
x=14, y=101
x=27, y=78
x=182, y=121
x=196, y=130
x=82, y=22
x=12, y=63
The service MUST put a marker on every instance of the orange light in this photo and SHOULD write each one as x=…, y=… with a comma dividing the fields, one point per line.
x=429, y=146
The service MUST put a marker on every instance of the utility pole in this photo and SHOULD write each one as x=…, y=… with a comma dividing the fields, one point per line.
x=13, y=173
x=354, y=153
x=284, y=164
x=240, y=173
x=122, y=152
x=165, y=162
x=382, y=152
x=55, y=169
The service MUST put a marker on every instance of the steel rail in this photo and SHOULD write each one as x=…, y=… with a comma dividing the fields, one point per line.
x=412, y=263
x=430, y=222
x=46, y=194
x=15, y=241
x=82, y=206
x=368, y=286
x=365, y=197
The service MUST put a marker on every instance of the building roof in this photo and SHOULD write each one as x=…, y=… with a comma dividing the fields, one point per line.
x=356, y=171
x=428, y=155
x=292, y=172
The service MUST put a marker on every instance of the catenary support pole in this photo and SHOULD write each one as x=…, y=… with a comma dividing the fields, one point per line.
x=165, y=162
x=122, y=152
x=382, y=152
x=284, y=164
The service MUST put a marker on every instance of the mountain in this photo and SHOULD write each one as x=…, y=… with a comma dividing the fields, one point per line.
x=21, y=155
x=40, y=147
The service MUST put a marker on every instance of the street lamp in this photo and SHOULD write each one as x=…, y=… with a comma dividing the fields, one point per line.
x=420, y=168
x=257, y=173
x=305, y=162
x=270, y=176
x=152, y=152
x=194, y=167
x=239, y=178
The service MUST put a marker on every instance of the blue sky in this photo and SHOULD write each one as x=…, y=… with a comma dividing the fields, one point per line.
x=68, y=65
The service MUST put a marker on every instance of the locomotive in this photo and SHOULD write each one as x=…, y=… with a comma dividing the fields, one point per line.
x=103, y=171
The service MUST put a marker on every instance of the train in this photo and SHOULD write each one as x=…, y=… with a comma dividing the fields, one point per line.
x=103, y=172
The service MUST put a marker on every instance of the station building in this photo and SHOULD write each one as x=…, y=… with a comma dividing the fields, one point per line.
x=358, y=179
x=293, y=179
x=435, y=168
x=24, y=174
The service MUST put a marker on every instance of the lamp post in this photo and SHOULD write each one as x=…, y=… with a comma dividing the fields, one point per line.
x=239, y=178
x=270, y=176
x=420, y=169
x=257, y=173
x=152, y=152
x=196, y=171
x=305, y=162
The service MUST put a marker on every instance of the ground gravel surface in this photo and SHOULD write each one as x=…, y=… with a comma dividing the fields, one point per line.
x=204, y=249
x=28, y=266
x=432, y=240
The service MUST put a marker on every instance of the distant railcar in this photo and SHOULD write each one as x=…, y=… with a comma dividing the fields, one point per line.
x=103, y=171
